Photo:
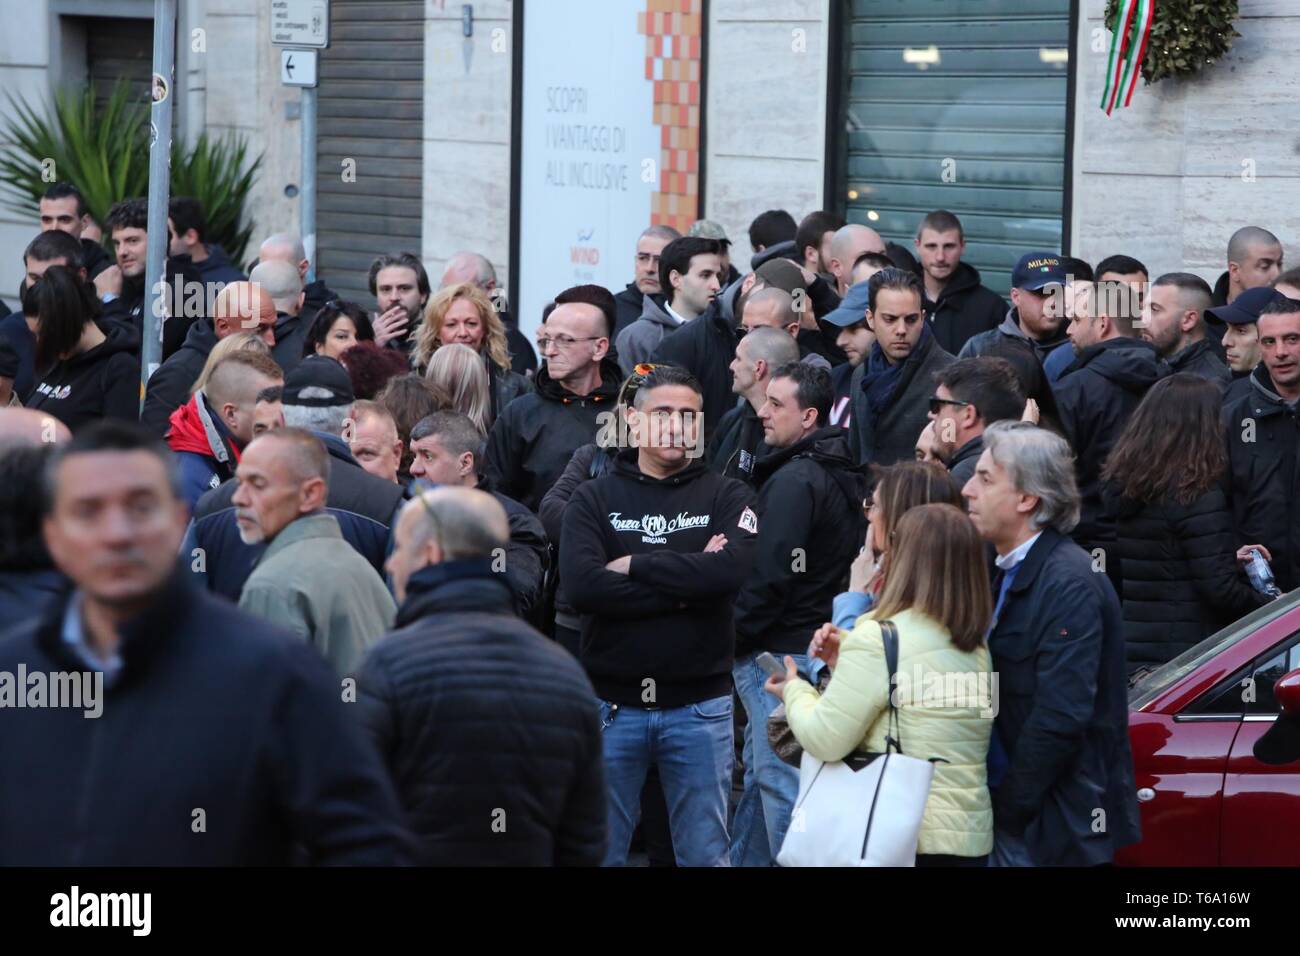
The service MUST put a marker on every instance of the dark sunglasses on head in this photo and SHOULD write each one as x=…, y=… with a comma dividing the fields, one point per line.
x=937, y=403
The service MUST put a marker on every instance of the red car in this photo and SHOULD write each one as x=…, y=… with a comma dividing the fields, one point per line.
x=1196, y=723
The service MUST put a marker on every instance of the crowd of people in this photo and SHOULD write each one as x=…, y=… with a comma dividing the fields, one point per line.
x=371, y=584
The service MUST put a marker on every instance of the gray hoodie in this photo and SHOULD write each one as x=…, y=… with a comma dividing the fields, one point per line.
x=638, y=341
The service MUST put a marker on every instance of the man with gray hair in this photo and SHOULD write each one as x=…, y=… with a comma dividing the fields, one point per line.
x=501, y=764
x=1060, y=766
x=317, y=396
x=738, y=440
x=631, y=300
x=282, y=282
x=309, y=580
x=477, y=269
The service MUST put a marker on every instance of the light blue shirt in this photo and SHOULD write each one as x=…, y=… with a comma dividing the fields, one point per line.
x=74, y=635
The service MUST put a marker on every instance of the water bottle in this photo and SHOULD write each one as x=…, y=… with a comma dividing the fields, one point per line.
x=1261, y=575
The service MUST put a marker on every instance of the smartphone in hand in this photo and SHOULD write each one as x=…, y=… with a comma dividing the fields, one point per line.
x=770, y=664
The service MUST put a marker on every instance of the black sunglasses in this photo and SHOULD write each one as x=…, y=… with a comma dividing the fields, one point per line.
x=937, y=403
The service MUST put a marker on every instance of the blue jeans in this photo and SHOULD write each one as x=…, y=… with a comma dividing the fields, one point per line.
x=771, y=786
x=1009, y=850
x=691, y=746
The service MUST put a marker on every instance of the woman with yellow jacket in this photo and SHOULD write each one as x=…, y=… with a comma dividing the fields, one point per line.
x=937, y=593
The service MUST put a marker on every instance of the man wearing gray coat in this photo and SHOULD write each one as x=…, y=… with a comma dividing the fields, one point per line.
x=309, y=580
x=890, y=392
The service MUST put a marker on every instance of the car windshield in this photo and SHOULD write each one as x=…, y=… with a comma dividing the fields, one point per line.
x=1150, y=685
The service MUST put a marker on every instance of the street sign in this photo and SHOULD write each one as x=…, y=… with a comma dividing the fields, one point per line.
x=298, y=67
x=300, y=23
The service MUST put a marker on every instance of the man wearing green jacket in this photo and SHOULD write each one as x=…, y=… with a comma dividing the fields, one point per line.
x=309, y=580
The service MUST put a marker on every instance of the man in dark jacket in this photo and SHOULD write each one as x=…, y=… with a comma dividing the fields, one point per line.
x=1097, y=393
x=689, y=274
x=291, y=329
x=1036, y=276
x=1263, y=431
x=737, y=442
x=1173, y=321
x=969, y=396
x=448, y=450
x=631, y=300
x=809, y=509
x=317, y=396
x=1240, y=322
x=54, y=247
x=959, y=307
x=487, y=726
x=652, y=556
x=1060, y=768
x=239, y=307
x=890, y=392
x=63, y=208
x=187, y=231
x=534, y=438
x=705, y=348
x=1254, y=260
x=216, y=740
x=29, y=581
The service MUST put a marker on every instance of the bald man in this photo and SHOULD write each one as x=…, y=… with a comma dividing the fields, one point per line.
x=540, y=798
x=210, y=430
x=774, y=308
x=1254, y=260
x=288, y=247
x=309, y=580
x=26, y=426
x=239, y=307
x=283, y=283
x=847, y=244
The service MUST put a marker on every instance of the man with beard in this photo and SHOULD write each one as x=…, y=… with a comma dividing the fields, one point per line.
x=64, y=209
x=401, y=290
x=309, y=580
x=1173, y=321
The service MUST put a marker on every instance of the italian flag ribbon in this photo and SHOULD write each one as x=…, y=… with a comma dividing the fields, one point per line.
x=1128, y=45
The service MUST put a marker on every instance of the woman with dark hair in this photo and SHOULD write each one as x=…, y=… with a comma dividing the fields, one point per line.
x=1174, y=534
x=337, y=327
x=85, y=369
x=937, y=596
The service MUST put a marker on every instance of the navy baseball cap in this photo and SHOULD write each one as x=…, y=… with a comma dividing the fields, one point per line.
x=1246, y=307
x=852, y=309
x=1037, y=270
x=318, y=381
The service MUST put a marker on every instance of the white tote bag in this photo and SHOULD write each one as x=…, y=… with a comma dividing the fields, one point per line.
x=868, y=816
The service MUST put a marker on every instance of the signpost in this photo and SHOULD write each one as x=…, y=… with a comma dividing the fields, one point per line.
x=303, y=23
x=160, y=174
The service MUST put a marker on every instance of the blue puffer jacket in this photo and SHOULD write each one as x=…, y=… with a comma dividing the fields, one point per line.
x=364, y=505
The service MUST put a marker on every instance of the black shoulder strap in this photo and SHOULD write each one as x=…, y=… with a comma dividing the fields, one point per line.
x=889, y=637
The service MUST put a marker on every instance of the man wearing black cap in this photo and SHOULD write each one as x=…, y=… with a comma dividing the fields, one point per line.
x=1241, y=335
x=318, y=397
x=1037, y=276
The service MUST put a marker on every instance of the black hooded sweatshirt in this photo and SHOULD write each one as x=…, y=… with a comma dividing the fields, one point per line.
x=534, y=437
x=810, y=512
x=965, y=309
x=1095, y=396
x=737, y=444
x=103, y=382
x=660, y=635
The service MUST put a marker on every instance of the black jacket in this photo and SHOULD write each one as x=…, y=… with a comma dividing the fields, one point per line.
x=737, y=443
x=630, y=301
x=103, y=382
x=169, y=386
x=1095, y=397
x=1181, y=578
x=527, y=558
x=290, y=332
x=668, y=621
x=534, y=437
x=1058, y=651
x=1265, y=488
x=588, y=462
x=705, y=347
x=483, y=721
x=364, y=505
x=964, y=460
x=15, y=331
x=183, y=280
x=965, y=309
x=1202, y=360
x=980, y=343
x=893, y=437
x=812, y=526
x=213, y=710
x=505, y=386
x=27, y=593
x=95, y=258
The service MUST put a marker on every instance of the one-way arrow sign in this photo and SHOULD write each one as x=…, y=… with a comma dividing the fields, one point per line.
x=298, y=67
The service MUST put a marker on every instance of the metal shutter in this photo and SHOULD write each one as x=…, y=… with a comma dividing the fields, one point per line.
x=370, y=107
x=117, y=48
x=974, y=87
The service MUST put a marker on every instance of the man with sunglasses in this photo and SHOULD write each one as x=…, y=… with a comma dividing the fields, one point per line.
x=536, y=435
x=969, y=396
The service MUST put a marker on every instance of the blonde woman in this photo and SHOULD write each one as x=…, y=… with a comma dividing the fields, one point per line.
x=458, y=371
x=462, y=314
x=231, y=343
x=936, y=592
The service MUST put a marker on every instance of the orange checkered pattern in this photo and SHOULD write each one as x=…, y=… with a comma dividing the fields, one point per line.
x=673, y=31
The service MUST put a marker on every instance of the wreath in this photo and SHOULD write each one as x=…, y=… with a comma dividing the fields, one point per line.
x=1186, y=35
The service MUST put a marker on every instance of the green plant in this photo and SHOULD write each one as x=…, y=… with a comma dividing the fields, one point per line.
x=104, y=150
x=1186, y=35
